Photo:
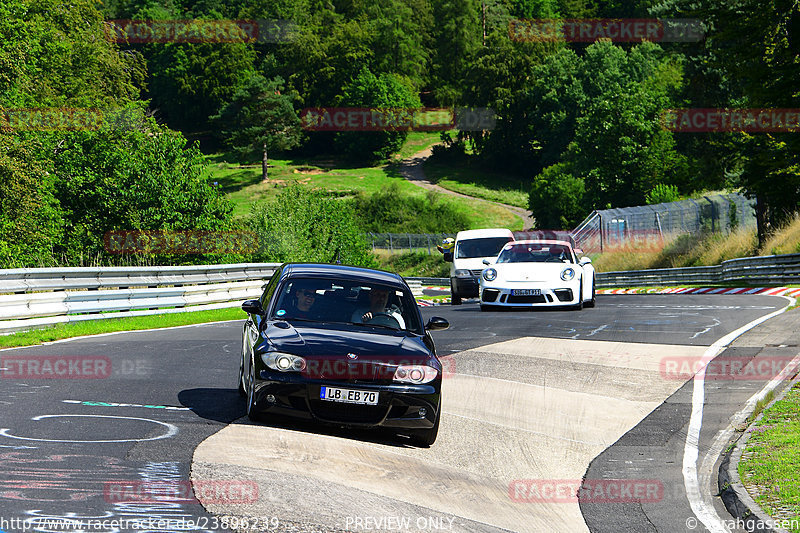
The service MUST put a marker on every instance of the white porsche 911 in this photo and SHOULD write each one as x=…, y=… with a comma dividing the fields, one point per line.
x=540, y=273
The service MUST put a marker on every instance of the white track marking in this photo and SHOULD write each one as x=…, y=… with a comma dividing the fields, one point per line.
x=171, y=430
x=702, y=506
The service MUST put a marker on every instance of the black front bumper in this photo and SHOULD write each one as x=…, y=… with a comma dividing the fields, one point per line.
x=465, y=287
x=299, y=397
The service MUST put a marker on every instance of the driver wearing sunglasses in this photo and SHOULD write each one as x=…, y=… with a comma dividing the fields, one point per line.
x=304, y=300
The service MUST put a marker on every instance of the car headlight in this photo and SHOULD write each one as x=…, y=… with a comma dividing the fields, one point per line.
x=463, y=273
x=416, y=374
x=284, y=362
x=490, y=274
x=567, y=274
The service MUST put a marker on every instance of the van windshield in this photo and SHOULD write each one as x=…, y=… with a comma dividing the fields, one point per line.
x=483, y=247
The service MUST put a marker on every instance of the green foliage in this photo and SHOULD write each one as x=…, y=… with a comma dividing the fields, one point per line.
x=417, y=264
x=557, y=198
x=115, y=179
x=599, y=115
x=457, y=36
x=30, y=223
x=309, y=226
x=189, y=81
x=663, y=193
x=384, y=91
x=759, y=71
x=258, y=114
x=534, y=9
x=391, y=211
x=54, y=54
x=620, y=148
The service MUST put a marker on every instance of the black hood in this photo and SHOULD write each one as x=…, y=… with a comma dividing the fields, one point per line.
x=339, y=340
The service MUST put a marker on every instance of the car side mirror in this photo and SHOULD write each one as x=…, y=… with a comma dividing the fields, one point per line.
x=487, y=262
x=253, y=307
x=437, y=322
x=585, y=261
x=448, y=256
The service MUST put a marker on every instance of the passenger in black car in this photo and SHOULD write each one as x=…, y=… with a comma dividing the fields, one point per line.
x=303, y=304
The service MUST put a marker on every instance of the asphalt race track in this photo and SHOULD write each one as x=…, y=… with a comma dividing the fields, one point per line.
x=532, y=400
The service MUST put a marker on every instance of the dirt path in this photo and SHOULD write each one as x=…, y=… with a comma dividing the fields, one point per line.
x=412, y=170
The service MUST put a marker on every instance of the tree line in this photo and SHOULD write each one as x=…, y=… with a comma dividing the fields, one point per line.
x=580, y=122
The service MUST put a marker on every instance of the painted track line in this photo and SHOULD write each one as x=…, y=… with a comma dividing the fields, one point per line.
x=701, y=503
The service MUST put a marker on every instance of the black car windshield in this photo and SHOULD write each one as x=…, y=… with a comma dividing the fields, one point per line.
x=346, y=302
x=483, y=247
x=535, y=253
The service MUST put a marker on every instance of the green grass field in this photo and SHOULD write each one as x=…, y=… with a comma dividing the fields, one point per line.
x=771, y=458
x=471, y=181
x=94, y=327
x=243, y=186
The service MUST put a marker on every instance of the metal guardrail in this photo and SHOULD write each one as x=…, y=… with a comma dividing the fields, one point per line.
x=36, y=297
x=764, y=270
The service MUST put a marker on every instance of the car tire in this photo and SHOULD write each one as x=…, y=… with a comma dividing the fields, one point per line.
x=426, y=437
x=252, y=413
x=242, y=389
x=579, y=306
x=455, y=299
x=593, y=301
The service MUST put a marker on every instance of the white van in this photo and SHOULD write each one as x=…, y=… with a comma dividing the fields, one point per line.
x=471, y=248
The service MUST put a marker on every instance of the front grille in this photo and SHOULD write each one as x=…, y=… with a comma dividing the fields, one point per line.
x=490, y=295
x=537, y=299
x=347, y=412
x=476, y=272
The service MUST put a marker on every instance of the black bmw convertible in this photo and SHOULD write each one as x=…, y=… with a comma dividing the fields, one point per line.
x=341, y=345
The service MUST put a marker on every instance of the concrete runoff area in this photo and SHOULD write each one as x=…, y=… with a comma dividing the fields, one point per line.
x=554, y=410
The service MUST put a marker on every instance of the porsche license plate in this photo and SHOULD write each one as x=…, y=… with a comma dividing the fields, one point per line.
x=526, y=292
x=335, y=394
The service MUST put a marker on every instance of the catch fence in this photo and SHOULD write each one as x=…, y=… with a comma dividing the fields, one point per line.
x=640, y=226
x=407, y=242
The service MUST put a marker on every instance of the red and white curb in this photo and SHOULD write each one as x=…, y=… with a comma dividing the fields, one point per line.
x=793, y=292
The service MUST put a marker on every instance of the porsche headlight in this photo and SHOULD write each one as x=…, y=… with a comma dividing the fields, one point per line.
x=567, y=274
x=490, y=274
x=284, y=362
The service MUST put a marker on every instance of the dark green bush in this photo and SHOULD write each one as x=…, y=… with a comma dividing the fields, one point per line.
x=391, y=211
x=310, y=226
